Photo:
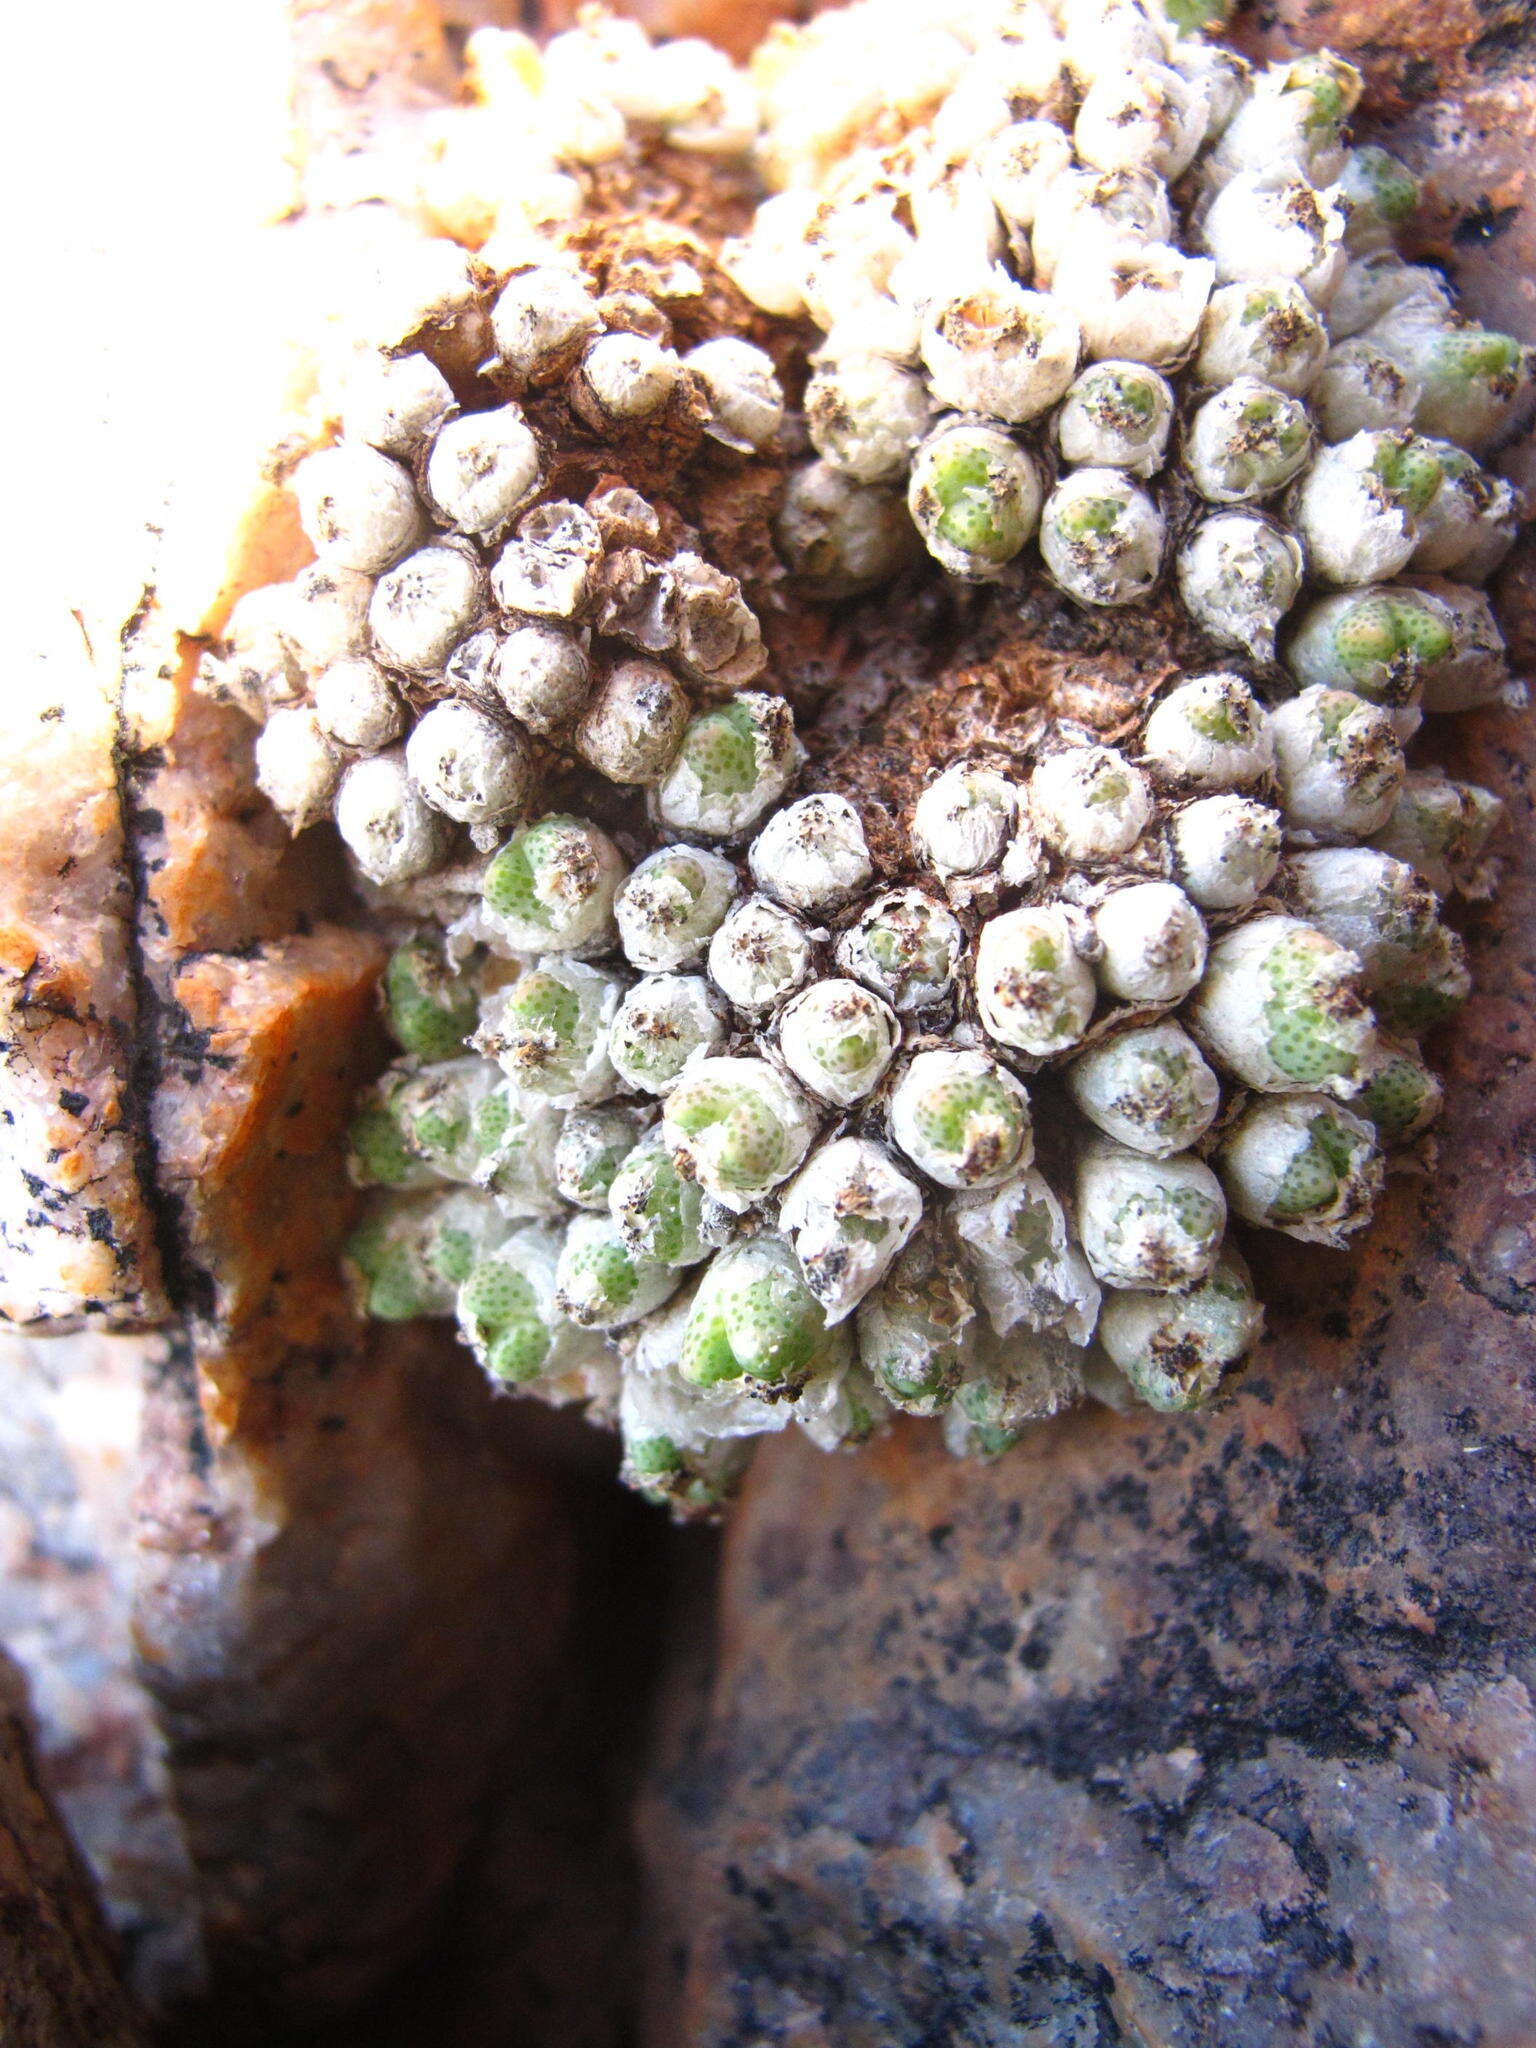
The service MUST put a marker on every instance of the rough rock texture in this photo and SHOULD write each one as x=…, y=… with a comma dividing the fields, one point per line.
x=70, y=1412
x=77, y=1240
x=349, y=1613
x=58, y=1980
x=257, y=1088
x=537, y=1941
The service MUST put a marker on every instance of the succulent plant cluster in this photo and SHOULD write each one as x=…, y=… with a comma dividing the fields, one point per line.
x=460, y=616
x=1096, y=294
x=744, y=1133
x=706, y=1116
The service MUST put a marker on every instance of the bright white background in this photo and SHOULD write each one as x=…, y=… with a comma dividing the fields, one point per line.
x=141, y=142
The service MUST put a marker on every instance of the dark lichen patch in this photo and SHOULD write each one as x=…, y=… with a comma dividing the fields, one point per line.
x=1483, y=223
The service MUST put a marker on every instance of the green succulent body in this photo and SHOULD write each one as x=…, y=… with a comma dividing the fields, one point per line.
x=378, y=1153
x=721, y=749
x=1305, y=1039
x=500, y=1314
x=659, y=1214
x=754, y=1318
x=971, y=1115
x=1401, y=1098
x=431, y=1012
x=977, y=516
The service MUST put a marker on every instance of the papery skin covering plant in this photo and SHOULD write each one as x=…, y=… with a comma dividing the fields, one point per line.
x=704, y=1115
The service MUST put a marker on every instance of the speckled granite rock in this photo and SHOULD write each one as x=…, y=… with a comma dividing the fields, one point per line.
x=1220, y=1728
x=77, y=1239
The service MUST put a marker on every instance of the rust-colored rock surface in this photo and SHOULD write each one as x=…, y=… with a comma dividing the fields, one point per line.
x=59, y=1986
x=258, y=1086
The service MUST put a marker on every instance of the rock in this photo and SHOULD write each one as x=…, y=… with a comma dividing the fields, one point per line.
x=70, y=1412
x=538, y=1938
x=351, y=1609
x=1408, y=56
x=59, y=1986
x=258, y=1083
x=77, y=1235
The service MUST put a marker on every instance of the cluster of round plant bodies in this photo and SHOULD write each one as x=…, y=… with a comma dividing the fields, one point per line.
x=461, y=619
x=1110, y=302
x=745, y=1132
x=703, y=1115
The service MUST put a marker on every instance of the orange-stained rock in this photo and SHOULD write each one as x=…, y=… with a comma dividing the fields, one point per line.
x=220, y=870
x=259, y=1077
